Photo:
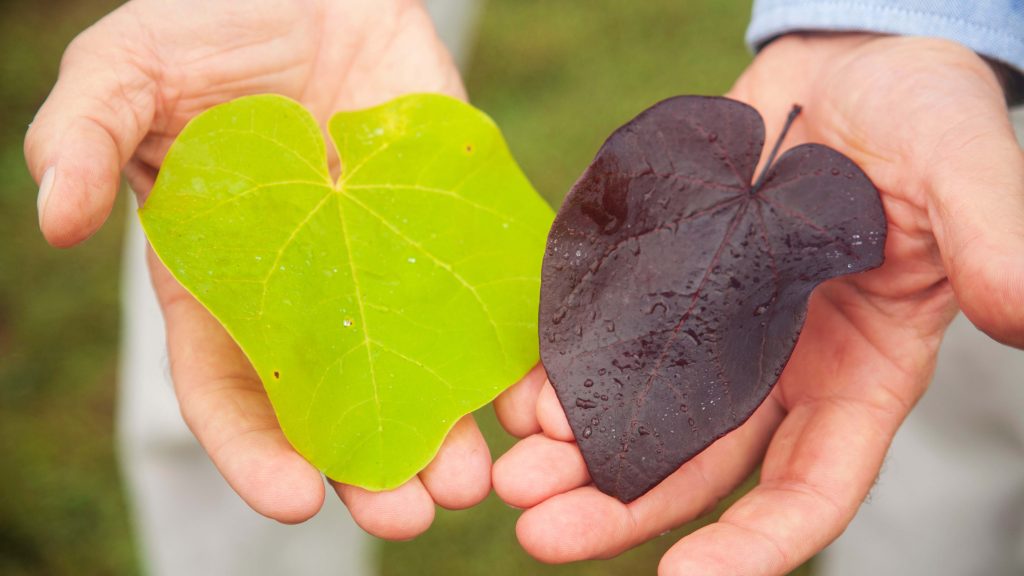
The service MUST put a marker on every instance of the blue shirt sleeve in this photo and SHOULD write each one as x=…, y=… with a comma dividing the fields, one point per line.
x=992, y=28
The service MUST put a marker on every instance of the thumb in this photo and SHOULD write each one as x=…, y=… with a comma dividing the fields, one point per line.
x=976, y=206
x=97, y=113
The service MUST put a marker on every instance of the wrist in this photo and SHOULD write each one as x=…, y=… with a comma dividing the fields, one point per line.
x=794, y=62
x=808, y=59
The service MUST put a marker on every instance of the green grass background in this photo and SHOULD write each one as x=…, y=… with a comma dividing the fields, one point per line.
x=557, y=76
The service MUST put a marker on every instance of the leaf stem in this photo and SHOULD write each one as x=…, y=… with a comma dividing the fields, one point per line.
x=775, y=150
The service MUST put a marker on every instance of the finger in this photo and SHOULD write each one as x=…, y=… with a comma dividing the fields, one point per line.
x=817, y=473
x=97, y=113
x=223, y=402
x=516, y=407
x=585, y=523
x=846, y=401
x=460, y=474
x=140, y=178
x=551, y=416
x=976, y=204
x=537, y=468
x=399, y=514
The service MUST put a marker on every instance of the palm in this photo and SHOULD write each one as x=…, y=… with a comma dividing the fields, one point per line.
x=127, y=88
x=892, y=317
x=870, y=341
x=869, y=344
x=327, y=55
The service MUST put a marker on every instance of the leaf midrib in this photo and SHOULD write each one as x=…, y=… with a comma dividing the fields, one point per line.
x=366, y=335
x=340, y=192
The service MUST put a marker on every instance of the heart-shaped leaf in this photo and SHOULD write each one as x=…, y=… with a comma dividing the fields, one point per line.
x=674, y=289
x=377, y=309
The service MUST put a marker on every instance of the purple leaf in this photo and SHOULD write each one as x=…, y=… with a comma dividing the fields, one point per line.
x=673, y=289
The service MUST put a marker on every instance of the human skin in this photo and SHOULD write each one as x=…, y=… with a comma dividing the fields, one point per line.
x=126, y=88
x=927, y=121
x=924, y=118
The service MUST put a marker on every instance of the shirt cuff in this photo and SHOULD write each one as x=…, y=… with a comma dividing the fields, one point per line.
x=994, y=28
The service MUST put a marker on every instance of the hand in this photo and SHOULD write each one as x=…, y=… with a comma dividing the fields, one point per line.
x=927, y=122
x=127, y=86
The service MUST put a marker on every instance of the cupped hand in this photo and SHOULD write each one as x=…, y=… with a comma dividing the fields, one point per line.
x=926, y=120
x=127, y=86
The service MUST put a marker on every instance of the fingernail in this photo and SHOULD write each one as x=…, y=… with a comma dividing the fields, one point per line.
x=45, y=186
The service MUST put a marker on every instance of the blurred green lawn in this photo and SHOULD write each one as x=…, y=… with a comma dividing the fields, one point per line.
x=557, y=76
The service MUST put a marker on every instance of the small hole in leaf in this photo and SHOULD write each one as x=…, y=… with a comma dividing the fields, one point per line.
x=277, y=374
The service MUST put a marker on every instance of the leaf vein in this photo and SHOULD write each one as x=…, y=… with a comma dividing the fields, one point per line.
x=443, y=265
x=322, y=172
x=275, y=266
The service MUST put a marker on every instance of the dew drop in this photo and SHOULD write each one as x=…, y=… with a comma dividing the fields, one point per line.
x=835, y=171
x=588, y=383
x=643, y=430
x=712, y=137
x=587, y=432
x=411, y=260
x=690, y=422
x=559, y=315
x=609, y=326
x=656, y=306
x=346, y=323
x=585, y=403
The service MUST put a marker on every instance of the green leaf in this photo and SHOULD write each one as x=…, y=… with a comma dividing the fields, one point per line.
x=377, y=310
